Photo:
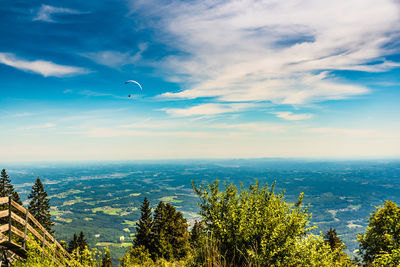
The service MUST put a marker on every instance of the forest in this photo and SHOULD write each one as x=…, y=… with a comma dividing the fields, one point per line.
x=239, y=226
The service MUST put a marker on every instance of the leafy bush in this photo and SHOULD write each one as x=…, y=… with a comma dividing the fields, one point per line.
x=256, y=227
x=383, y=233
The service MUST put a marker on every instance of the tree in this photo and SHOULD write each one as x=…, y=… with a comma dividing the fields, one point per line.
x=39, y=205
x=106, y=261
x=73, y=244
x=7, y=189
x=170, y=237
x=383, y=232
x=195, y=234
x=257, y=227
x=143, y=228
x=333, y=240
x=82, y=243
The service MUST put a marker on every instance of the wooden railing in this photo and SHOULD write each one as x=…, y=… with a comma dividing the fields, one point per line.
x=14, y=232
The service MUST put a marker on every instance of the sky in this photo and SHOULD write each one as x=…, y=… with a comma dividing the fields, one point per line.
x=221, y=79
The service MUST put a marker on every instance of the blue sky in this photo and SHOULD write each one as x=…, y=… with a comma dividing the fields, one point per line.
x=221, y=79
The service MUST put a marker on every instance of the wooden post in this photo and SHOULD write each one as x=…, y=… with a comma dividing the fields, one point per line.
x=44, y=238
x=9, y=219
x=25, y=228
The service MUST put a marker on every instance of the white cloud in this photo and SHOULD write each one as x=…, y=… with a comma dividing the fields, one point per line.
x=45, y=68
x=208, y=109
x=292, y=117
x=284, y=52
x=45, y=12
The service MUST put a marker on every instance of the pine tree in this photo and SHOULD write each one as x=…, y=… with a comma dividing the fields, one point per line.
x=333, y=240
x=143, y=228
x=39, y=205
x=7, y=189
x=82, y=243
x=195, y=234
x=73, y=244
x=106, y=261
x=170, y=237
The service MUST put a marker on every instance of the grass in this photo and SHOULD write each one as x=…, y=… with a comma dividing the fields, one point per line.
x=170, y=199
x=59, y=219
x=108, y=210
x=131, y=224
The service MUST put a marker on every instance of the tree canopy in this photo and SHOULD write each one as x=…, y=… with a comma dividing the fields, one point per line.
x=383, y=232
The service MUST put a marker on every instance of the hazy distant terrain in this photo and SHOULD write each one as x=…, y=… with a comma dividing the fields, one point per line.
x=103, y=199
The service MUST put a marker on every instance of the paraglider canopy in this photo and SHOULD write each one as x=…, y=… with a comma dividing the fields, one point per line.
x=132, y=81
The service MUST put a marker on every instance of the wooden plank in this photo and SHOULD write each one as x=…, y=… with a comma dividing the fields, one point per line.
x=17, y=218
x=4, y=228
x=35, y=222
x=3, y=213
x=15, y=248
x=33, y=231
x=63, y=250
x=18, y=206
x=16, y=231
x=3, y=200
x=40, y=237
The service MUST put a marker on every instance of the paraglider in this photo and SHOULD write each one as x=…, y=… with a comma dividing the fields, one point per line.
x=132, y=81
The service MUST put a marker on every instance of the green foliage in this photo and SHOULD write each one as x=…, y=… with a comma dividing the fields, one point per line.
x=136, y=256
x=382, y=236
x=387, y=259
x=82, y=243
x=170, y=237
x=37, y=257
x=73, y=244
x=143, y=229
x=195, y=234
x=256, y=227
x=39, y=205
x=332, y=239
x=106, y=261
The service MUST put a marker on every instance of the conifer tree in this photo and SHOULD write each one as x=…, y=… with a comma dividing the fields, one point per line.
x=106, y=261
x=195, y=234
x=170, y=237
x=73, y=244
x=39, y=205
x=143, y=228
x=82, y=243
x=7, y=189
x=331, y=238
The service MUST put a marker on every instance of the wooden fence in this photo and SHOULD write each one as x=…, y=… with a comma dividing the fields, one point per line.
x=17, y=222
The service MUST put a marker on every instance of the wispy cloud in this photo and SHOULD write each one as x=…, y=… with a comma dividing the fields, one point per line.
x=115, y=58
x=111, y=132
x=285, y=52
x=208, y=109
x=39, y=126
x=292, y=117
x=356, y=133
x=45, y=68
x=46, y=11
